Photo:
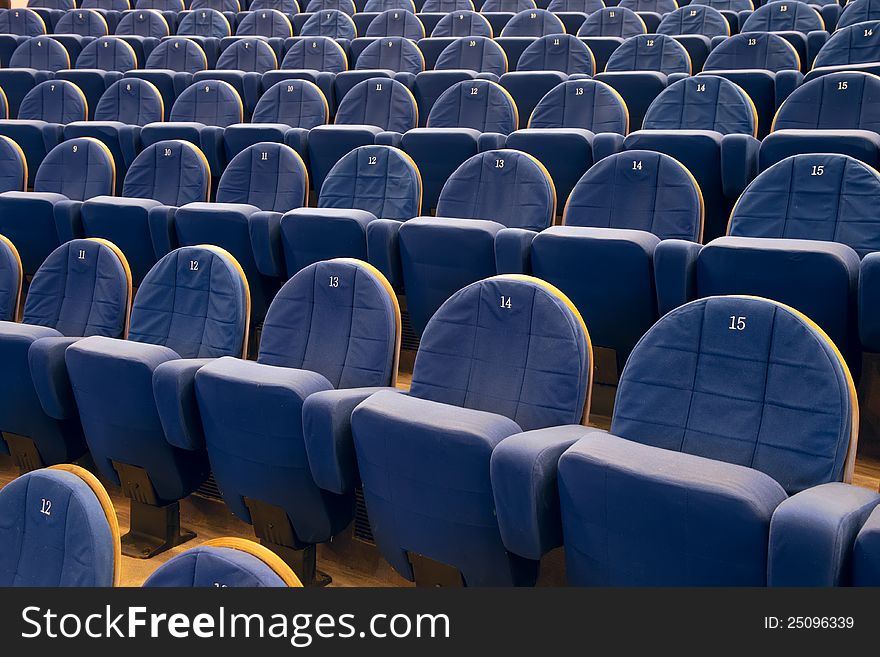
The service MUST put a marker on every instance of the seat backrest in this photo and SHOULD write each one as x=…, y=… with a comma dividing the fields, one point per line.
x=21, y=21
x=695, y=19
x=849, y=100
x=856, y=44
x=211, y=102
x=208, y=23
x=381, y=102
x=108, y=54
x=753, y=50
x=656, y=6
x=13, y=166
x=271, y=176
x=106, y=5
x=379, y=6
x=339, y=318
x=316, y=53
x=83, y=22
x=346, y=6
x=42, y=53
x=447, y=6
x=178, y=54
x=173, y=172
x=558, y=52
x=533, y=23
x=506, y=186
x=268, y=23
x=60, y=5
x=784, y=16
x=331, y=23
x=859, y=11
x=175, y=6
x=462, y=23
x=638, y=190
x=508, y=6
x=379, y=179
x=250, y=54
x=580, y=6
x=54, y=101
x=816, y=196
x=752, y=359
x=144, y=23
x=478, y=53
x=396, y=22
x=11, y=279
x=512, y=345
x=131, y=101
x=297, y=103
x=83, y=288
x=704, y=102
x=284, y=6
x=613, y=22
x=479, y=104
x=587, y=104
x=650, y=52
x=196, y=301
x=231, y=6
x=398, y=54
x=224, y=562
x=79, y=169
x=727, y=5
x=59, y=529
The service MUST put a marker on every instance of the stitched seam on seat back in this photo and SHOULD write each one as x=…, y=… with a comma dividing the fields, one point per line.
x=214, y=263
x=699, y=354
x=467, y=389
x=528, y=354
x=790, y=183
x=66, y=523
x=85, y=329
x=715, y=107
x=841, y=190
x=350, y=327
x=766, y=379
x=656, y=195
x=23, y=530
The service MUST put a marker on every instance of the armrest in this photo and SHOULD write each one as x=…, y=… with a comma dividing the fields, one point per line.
x=265, y=232
x=675, y=273
x=68, y=220
x=869, y=309
x=813, y=532
x=605, y=144
x=175, y=393
x=383, y=251
x=52, y=134
x=328, y=438
x=389, y=138
x=298, y=140
x=524, y=482
x=739, y=163
x=211, y=138
x=162, y=230
x=513, y=247
x=490, y=141
x=49, y=374
x=786, y=82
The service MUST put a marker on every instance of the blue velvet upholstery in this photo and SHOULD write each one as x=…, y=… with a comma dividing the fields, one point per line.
x=82, y=22
x=211, y=566
x=655, y=6
x=54, y=101
x=132, y=102
x=650, y=52
x=858, y=11
x=41, y=53
x=509, y=6
x=268, y=176
x=728, y=5
x=251, y=55
x=477, y=104
x=330, y=23
x=396, y=22
x=598, y=108
x=13, y=166
x=178, y=54
x=613, y=22
x=394, y=53
x=107, y=5
x=192, y=304
x=316, y=53
x=208, y=23
x=558, y=52
x=814, y=196
x=22, y=22
x=447, y=6
x=378, y=6
x=175, y=6
x=107, y=54
x=380, y=102
x=478, y=53
x=268, y=23
x=232, y=6
x=211, y=102
x=784, y=16
x=284, y=6
x=866, y=565
x=463, y=23
x=346, y=6
x=57, y=532
x=707, y=102
x=695, y=19
x=753, y=50
x=334, y=325
x=838, y=101
x=146, y=23
x=533, y=23
x=424, y=456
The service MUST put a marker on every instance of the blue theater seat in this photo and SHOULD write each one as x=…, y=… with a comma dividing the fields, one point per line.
x=42, y=115
x=378, y=6
x=204, y=23
x=370, y=185
x=507, y=6
x=462, y=23
x=100, y=64
x=707, y=102
x=11, y=272
x=798, y=22
x=859, y=11
x=82, y=289
x=447, y=6
x=460, y=59
x=396, y=57
x=374, y=106
x=490, y=191
x=470, y=116
x=268, y=23
x=32, y=62
x=581, y=6
x=331, y=23
x=396, y=22
x=661, y=7
x=284, y=6
x=224, y=562
x=331, y=339
x=753, y=50
x=688, y=498
x=82, y=22
x=346, y=6
x=193, y=306
x=258, y=186
x=571, y=122
x=533, y=23
x=242, y=64
x=695, y=19
x=51, y=10
x=122, y=111
x=165, y=175
x=60, y=529
x=13, y=166
x=175, y=6
x=853, y=45
x=171, y=66
x=38, y=222
x=16, y=25
x=613, y=22
x=199, y=116
x=226, y=6
x=834, y=113
x=143, y=29
x=319, y=54
x=503, y=355
x=735, y=11
x=285, y=113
